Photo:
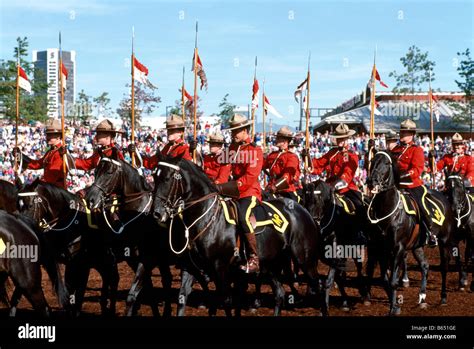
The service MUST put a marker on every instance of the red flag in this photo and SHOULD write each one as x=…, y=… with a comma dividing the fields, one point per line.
x=255, y=89
x=197, y=64
x=377, y=77
x=23, y=80
x=140, y=73
x=188, y=99
x=64, y=75
x=299, y=90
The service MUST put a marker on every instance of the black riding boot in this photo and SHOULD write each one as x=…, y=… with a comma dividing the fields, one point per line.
x=252, y=265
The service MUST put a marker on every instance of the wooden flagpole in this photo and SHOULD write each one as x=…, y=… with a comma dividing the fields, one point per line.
x=306, y=164
x=433, y=160
x=133, y=96
x=264, y=112
x=253, y=109
x=195, y=88
x=372, y=101
x=17, y=110
x=183, y=108
x=62, y=110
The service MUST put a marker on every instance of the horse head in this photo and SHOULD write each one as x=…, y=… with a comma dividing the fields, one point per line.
x=382, y=172
x=177, y=181
x=108, y=179
x=317, y=196
x=455, y=191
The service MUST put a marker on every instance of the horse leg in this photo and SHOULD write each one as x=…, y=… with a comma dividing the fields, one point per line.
x=35, y=296
x=340, y=278
x=137, y=285
x=185, y=290
x=461, y=268
x=423, y=263
x=444, y=265
x=327, y=291
x=394, y=301
x=3, y=290
x=76, y=276
x=279, y=293
x=166, y=280
x=371, y=262
x=405, y=281
x=16, y=296
x=223, y=287
x=257, y=302
x=360, y=280
x=113, y=284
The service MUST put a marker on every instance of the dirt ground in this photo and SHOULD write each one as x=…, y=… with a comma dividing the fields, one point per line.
x=460, y=303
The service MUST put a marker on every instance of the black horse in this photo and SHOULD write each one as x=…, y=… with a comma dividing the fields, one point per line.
x=339, y=230
x=20, y=249
x=399, y=230
x=462, y=205
x=64, y=224
x=8, y=197
x=185, y=196
x=136, y=231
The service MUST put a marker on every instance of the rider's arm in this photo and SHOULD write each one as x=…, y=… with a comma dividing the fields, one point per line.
x=417, y=164
x=89, y=163
x=223, y=174
x=252, y=172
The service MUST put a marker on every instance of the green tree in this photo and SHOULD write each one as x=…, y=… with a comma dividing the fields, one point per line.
x=417, y=71
x=32, y=106
x=145, y=103
x=465, y=83
x=102, y=105
x=226, y=111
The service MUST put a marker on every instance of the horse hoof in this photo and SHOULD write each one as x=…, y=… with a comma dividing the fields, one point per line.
x=367, y=303
x=423, y=305
x=346, y=309
x=444, y=302
x=202, y=307
x=253, y=310
x=257, y=304
x=462, y=289
x=406, y=284
x=395, y=311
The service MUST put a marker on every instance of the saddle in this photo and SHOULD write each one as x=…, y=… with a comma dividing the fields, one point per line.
x=262, y=215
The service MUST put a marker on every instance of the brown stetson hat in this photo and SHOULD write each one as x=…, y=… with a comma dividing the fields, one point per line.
x=175, y=122
x=238, y=121
x=343, y=131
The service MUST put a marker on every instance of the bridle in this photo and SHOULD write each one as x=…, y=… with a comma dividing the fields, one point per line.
x=38, y=202
x=459, y=218
x=105, y=193
x=382, y=182
x=175, y=205
x=318, y=219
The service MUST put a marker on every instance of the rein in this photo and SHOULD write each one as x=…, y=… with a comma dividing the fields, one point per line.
x=459, y=218
x=377, y=220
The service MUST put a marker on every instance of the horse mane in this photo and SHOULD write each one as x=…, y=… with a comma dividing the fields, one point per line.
x=196, y=173
x=137, y=181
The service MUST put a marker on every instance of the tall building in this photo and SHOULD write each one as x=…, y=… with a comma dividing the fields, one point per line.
x=48, y=63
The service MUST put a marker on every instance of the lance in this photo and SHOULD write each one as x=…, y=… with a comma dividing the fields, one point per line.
x=433, y=160
x=17, y=110
x=62, y=110
x=306, y=165
x=254, y=108
x=183, y=109
x=133, y=96
x=195, y=88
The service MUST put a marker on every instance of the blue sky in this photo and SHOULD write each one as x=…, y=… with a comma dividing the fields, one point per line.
x=341, y=35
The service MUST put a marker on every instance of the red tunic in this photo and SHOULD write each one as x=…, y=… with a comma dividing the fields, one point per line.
x=463, y=164
x=52, y=163
x=410, y=159
x=246, y=165
x=216, y=171
x=283, y=165
x=91, y=162
x=171, y=149
x=338, y=164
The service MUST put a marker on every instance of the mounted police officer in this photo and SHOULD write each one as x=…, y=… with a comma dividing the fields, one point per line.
x=246, y=160
x=176, y=147
x=458, y=161
x=213, y=163
x=410, y=164
x=283, y=167
x=52, y=160
x=105, y=135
